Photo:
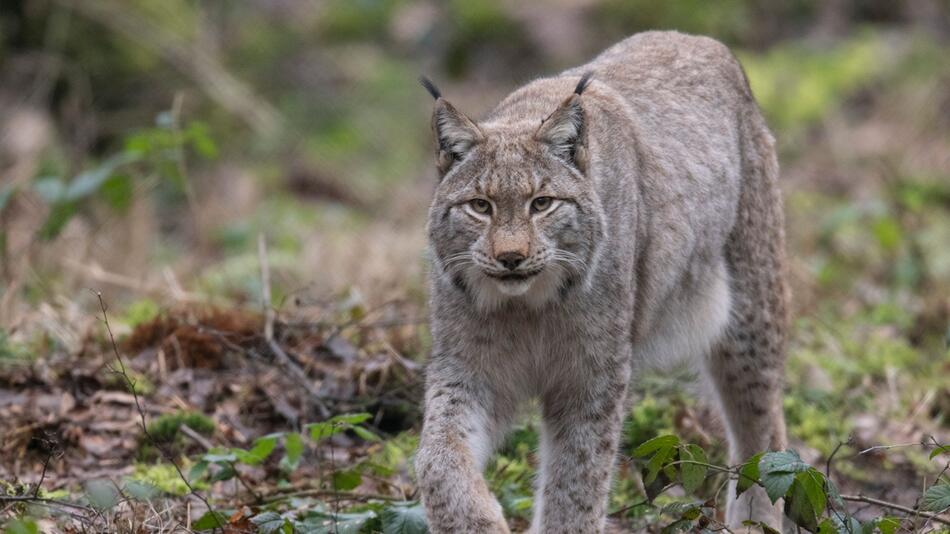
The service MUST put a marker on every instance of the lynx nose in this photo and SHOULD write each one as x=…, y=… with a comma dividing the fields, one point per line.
x=511, y=260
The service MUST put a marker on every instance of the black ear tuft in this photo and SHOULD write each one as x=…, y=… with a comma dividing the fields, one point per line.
x=585, y=81
x=433, y=90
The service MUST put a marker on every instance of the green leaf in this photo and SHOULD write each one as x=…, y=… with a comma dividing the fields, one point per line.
x=227, y=472
x=268, y=522
x=827, y=527
x=210, y=520
x=294, y=447
x=692, y=475
x=748, y=474
x=59, y=215
x=321, y=431
x=655, y=444
x=937, y=498
x=657, y=462
x=323, y=523
x=219, y=455
x=117, y=191
x=888, y=524
x=399, y=519
x=6, y=193
x=777, y=484
x=943, y=449
x=262, y=448
x=22, y=526
x=782, y=461
x=198, y=470
x=141, y=491
x=365, y=433
x=777, y=471
x=50, y=189
x=346, y=480
x=813, y=483
x=798, y=507
x=101, y=494
x=90, y=181
x=352, y=418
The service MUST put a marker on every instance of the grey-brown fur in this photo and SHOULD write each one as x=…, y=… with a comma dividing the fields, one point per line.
x=664, y=243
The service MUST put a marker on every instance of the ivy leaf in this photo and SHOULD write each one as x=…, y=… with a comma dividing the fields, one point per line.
x=748, y=474
x=937, y=498
x=401, y=519
x=268, y=522
x=210, y=520
x=692, y=475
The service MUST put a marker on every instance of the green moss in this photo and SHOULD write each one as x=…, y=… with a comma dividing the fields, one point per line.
x=165, y=427
x=141, y=311
x=163, y=476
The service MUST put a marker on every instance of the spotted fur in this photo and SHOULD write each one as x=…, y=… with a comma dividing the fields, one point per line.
x=663, y=244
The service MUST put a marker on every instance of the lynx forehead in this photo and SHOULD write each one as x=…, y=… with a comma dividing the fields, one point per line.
x=620, y=214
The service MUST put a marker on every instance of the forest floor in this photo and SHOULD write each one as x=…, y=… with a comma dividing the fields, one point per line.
x=303, y=414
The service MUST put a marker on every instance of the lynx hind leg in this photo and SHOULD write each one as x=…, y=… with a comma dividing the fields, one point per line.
x=746, y=369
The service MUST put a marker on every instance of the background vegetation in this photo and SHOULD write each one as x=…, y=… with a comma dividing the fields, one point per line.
x=245, y=186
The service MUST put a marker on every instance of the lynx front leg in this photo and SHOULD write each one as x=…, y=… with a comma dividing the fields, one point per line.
x=456, y=442
x=578, y=446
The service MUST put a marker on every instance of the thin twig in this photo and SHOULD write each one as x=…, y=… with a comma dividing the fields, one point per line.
x=895, y=506
x=282, y=358
x=138, y=406
x=337, y=495
x=265, y=288
x=44, y=500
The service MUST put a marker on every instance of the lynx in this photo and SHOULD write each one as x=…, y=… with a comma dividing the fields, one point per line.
x=619, y=215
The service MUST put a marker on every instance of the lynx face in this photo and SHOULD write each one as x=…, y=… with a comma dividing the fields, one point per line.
x=514, y=218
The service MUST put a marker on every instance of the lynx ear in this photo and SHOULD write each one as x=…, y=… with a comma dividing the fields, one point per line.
x=455, y=133
x=565, y=131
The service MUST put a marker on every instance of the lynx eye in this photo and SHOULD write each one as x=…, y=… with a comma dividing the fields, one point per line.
x=541, y=204
x=480, y=205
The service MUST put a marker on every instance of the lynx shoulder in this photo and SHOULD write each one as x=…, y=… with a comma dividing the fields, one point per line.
x=620, y=214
